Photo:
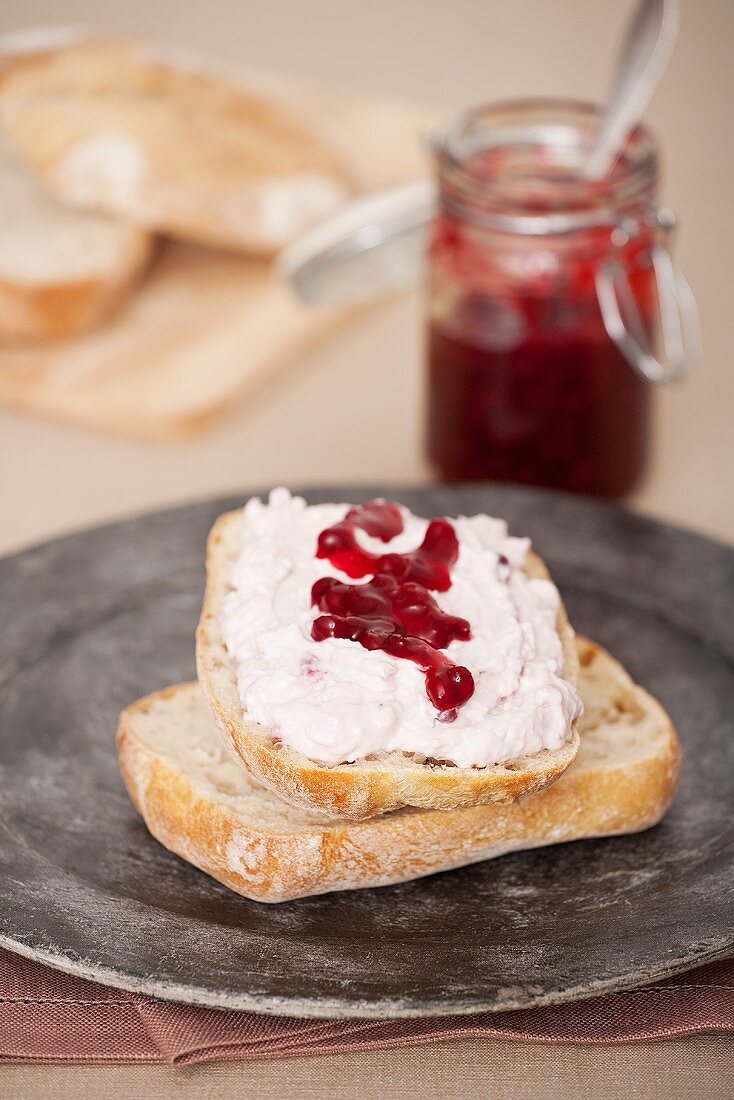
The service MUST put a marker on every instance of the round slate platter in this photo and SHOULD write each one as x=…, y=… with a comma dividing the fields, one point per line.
x=92, y=621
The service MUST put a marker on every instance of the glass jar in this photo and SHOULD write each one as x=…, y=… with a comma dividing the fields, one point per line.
x=549, y=297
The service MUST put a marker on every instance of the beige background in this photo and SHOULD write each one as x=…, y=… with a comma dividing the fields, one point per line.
x=465, y=1070
x=325, y=419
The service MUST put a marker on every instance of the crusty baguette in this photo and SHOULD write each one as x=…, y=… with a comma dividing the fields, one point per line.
x=61, y=270
x=117, y=126
x=368, y=787
x=199, y=803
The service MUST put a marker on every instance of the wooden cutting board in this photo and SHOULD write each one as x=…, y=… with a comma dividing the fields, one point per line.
x=205, y=328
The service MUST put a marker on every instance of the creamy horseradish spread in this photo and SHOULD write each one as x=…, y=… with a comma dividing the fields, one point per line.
x=334, y=700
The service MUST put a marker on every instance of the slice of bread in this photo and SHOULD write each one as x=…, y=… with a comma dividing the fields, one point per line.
x=61, y=270
x=371, y=786
x=117, y=126
x=203, y=806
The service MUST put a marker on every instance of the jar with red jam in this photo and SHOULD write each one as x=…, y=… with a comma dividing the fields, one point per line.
x=551, y=297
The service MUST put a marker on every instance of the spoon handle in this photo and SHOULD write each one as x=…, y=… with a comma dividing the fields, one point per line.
x=642, y=61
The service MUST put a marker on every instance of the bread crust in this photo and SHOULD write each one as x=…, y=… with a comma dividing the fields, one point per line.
x=603, y=793
x=62, y=309
x=361, y=790
x=117, y=126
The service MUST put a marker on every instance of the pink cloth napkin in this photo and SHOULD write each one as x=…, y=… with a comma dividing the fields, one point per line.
x=47, y=1016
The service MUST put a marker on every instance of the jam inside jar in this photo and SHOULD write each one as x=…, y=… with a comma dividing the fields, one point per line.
x=526, y=384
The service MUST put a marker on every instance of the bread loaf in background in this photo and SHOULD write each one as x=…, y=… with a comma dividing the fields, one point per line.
x=151, y=136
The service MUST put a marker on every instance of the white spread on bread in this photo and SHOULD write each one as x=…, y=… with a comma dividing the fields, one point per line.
x=281, y=207
x=112, y=165
x=335, y=702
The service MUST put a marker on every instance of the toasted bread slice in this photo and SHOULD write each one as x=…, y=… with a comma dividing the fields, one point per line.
x=117, y=126
x=61, y=270
x=371, y=786
x=202, y=805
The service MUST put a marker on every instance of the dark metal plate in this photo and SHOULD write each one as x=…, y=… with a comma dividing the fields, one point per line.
x=92, y=621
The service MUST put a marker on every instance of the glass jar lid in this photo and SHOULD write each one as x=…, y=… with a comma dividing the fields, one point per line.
x=518, y=167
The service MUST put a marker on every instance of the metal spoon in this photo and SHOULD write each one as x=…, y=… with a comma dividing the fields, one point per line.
x=376, y=244
x=647, y=49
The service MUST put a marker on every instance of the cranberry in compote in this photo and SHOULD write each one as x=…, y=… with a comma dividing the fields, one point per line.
x=395, y=611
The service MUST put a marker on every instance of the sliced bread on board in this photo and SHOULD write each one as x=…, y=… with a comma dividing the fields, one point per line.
x=61, y=270
x=161, y=139
x=202, y=805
